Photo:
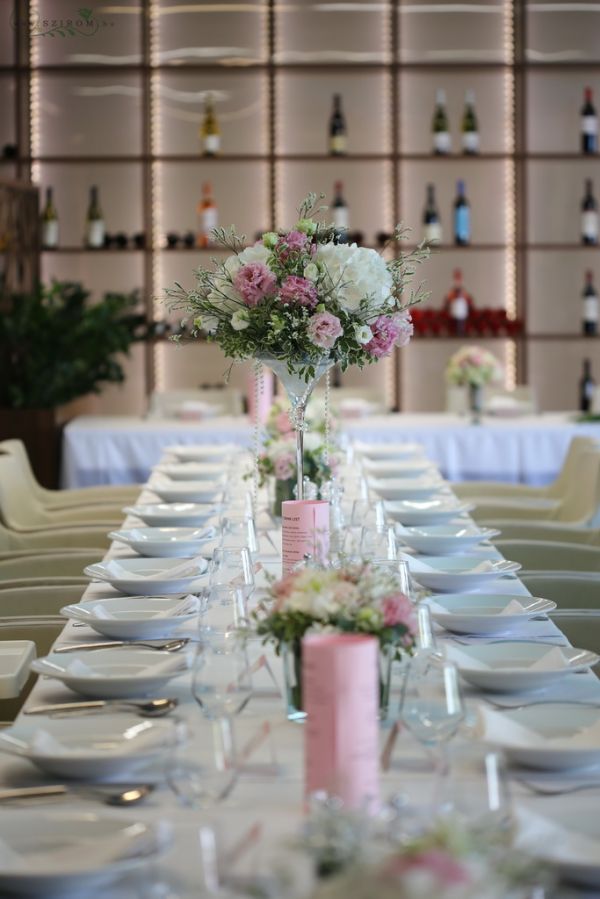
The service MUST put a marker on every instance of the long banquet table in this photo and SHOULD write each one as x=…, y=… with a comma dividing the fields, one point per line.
x=275, y=803
x=531, y=449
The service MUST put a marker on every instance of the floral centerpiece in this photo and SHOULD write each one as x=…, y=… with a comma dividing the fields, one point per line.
x=300, y=302
x=473, y=367
x=355, y=598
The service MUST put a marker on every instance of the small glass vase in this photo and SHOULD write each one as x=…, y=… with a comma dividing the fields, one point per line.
x=299, y=391
x=283, y=490
x=476, y=402
x=291, y=654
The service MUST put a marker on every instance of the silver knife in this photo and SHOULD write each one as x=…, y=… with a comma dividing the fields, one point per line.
x=112, y=644
x=94, y=704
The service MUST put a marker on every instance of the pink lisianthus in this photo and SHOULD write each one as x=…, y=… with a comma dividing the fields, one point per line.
x=403, y=322
x=254, y=281
x=439, y=864
x=284, y=467
x=324, y=329
x=298, y=291
x=385, y=334
x=397, y=609
x=283, y=423
x=294, y=242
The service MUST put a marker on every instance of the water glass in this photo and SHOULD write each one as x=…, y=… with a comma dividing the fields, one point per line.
x=425, y=641
x=431, y=704
x=232, y=567
x=207, y=779
x=378, y=544
x=221, y=681
x=238, y=531
x=224, y=608
x=397, y=568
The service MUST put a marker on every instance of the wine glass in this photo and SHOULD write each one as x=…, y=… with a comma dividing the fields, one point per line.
x=224, y=608
x=239, y=531
x=398, y=569
x=378, y=544
x=232, y=567
x=431, y=704
x=221, y=680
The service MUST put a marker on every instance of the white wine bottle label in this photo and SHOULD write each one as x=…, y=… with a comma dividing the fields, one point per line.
x=459, y=308
x=50, y=234
x=210, y=219
x=340, y=217
x=590, y=309
x=337, y=143
x=589, y=225
x=441, y=141
x=95, y=233
x=212, y=143
x=589, y=124
x=433, y=232
x=470, y=141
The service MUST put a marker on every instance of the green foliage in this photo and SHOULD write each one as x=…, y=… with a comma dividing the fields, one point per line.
x=56, y=346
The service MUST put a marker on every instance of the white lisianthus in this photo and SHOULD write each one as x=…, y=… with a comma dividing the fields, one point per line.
x=356, y=273
x=256, y=253
x=362, y=334
x=311, y=272
x=240, y=320
x=208, y=323
x=224, y=295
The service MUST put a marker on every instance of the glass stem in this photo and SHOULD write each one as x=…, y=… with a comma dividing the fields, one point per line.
x=299, y=424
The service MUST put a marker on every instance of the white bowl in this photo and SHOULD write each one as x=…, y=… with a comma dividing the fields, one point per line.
x=551, y=736
x=458, y=574
x=168, y=543
x=187, y=491
x=485, y=613
x=135, y=617
x=444, y=539
x=56, y=852
x=113, y=673
x=389, y=450
x=142, y=576
x=201, y=453
x=191, y=471
x=428, y=511
x=408, y=488
x=98, y=748
x=565, y=836
x=174, y=514
x=397, y=468
x=514, y=666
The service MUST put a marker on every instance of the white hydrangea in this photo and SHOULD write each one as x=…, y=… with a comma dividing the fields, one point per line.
x=360, y=273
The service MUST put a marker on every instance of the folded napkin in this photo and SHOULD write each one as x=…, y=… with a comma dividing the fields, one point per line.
x=417, y=565
x=47, y=744
x=187, y=568
x=206, y=533
x=187, y=606
x=574, y=846
x=511, y=608
x=170, y=665
x=552, y=660
x=497, y=727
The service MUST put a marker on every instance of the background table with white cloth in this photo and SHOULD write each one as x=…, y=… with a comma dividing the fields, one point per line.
x=531, y=449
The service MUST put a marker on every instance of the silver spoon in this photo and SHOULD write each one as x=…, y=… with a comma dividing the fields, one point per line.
x=130, y=795
x=146, y=708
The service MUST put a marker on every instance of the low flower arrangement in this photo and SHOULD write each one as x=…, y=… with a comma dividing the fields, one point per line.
x=473, y=367
x=278, y=460
x=301, y=297
x=278, y=424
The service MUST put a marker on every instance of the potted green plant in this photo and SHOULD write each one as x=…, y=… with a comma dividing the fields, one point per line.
x=56, y=346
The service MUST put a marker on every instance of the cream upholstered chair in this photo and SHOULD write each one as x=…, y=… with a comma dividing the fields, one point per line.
x=545, y=530
x=41, y=631
x=540, y=555
x=578, y=505
x=580, y=627
x=47, y=565
x=555, y=490
x=567, y=589
x=65, y=499
x=182, y=403
x=21, y=511
x=54, y=540
x=37, y=602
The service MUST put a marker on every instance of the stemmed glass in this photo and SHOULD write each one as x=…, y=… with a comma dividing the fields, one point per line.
x=224, y=608
x=232, y=567
x=238, y=531
x=376, y=544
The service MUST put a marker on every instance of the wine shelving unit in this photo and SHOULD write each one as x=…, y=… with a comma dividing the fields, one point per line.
x=119, y=102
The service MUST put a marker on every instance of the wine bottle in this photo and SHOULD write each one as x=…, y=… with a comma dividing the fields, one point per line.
x=589, y=124
x=432, y=225
x=207, y=216
x=589, y=215
x=470, y=128
x=587, y=387
x=442, y=142
x=590, y=306
x=337, y=129
x=462, y=216
x=210, y=133
x=339, y=211
x=49, y=223
x=458, y=305
x=94, y=225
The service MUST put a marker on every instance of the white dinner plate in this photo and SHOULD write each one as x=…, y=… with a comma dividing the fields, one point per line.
x=388, y=450
x=174, y=514
x=113, y=673
x=565, y=836
x=458, y=574
x=187, y=491
x=428, y=511
x=397, y=468
x=143, y=576
x=444, y=539
x=407, y=488
x=551, y=736
x=191, y=471
x=56, y=852
x=98, y=748
x=485, y=613
x=180, y=543
x=135, y=617
x=515, y=666
x=199, y=453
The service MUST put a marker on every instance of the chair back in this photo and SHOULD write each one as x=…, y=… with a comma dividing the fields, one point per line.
x=540, y=555
x=567, y=589
x=581, y=500
x=569, y=471
x=196, y=404
x=19, y=508
x=31, y=602
x=69, y=564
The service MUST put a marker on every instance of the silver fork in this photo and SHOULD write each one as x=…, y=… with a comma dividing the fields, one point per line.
x=552, y=790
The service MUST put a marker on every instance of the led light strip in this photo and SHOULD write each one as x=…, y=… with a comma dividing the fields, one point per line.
x=34, y=95
x=158, y=351
x=510, y=272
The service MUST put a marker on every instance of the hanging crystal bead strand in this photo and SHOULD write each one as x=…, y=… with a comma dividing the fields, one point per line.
x=258, y=391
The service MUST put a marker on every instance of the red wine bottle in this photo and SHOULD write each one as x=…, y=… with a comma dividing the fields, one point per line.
x=589, y=124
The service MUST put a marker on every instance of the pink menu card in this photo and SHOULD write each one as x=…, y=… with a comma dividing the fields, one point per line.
x=340, y=688
x=305, y=530
x=259, y=405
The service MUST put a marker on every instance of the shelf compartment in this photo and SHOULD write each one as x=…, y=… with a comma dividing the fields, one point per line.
x=473, y=32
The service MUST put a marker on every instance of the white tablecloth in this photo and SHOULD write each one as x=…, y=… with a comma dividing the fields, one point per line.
x=120, y=450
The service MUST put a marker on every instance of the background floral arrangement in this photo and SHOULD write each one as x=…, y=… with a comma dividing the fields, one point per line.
x=299, y=296
x=278, y=424
x=356, y=598
x=278, y=459
x=473, y=366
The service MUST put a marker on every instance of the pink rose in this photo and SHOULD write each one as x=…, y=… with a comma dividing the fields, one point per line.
x=283, y=423
x=292, y=243
x=385, y=334
x=397, y=609
x=284, y=467
x=298, y=291
x=403, y=322
x=254, y=281
x=324, y=329
x=447, y=870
